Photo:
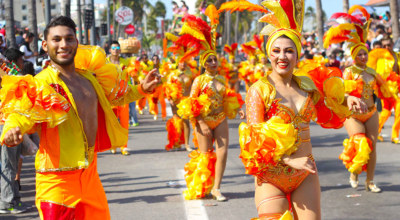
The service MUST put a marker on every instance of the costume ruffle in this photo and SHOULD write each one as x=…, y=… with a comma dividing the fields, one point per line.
x=175, y=133
x=200, y=174
x=232, y=103
x=173, y=90
x=356, y=152
x=285, y=216
x=330, y=111
x=192, y=107
x=113, y=80
x=265, y=143
x=35, y=100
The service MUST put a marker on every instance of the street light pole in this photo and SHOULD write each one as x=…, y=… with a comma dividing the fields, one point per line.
x=93, y=28
x=108, y=22
x=78, y=2
x=47, y=11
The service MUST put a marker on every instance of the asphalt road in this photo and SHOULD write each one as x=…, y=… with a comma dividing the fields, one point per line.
x=148, y=184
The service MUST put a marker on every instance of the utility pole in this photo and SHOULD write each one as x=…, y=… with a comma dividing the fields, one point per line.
x=78, y=2
x=47, y=11
x=93, y=29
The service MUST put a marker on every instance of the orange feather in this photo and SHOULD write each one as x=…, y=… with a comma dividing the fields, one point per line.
x=241, y=5
x=212, y=14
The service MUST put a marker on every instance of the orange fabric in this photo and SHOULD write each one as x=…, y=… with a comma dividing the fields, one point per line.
x=122, y=113
x=383, y=117
x=283, y=177
x=396, y=124
x=366, y=116
x=46, y=160
x=79, y=189
x=356, y=152
x=176, y=135
x=141, y=104
x=213, y=121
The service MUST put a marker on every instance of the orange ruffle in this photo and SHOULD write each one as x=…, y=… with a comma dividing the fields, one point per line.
x=192, y=107
x=330, y=111
x=173, y=91
x=232, y=103
x=175, y=133
x=200, y=174
x=36, y=100
x=113, y=80
x=265, y=143
x=356, y=152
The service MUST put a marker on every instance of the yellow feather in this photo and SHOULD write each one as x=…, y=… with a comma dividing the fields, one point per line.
x=212, y=14
x=186, y=29
x=241, y=5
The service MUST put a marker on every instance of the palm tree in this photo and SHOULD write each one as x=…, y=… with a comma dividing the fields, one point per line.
x=33, y=23
x=394, y=11
x=320, y=24
x=345, y=6
x=10, y=30
x=237, y=26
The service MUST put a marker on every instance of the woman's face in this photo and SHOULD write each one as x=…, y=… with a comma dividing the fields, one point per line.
x=211, y=64
x=362, y=58
x=283, y=56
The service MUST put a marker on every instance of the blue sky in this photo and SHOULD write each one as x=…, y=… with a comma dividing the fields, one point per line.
x=329, y=6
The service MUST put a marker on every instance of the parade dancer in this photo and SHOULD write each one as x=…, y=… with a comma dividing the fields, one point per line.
x=231, y=72
x=69, y=105
x=386, y=62
x=122, y=112
x=209, y=105
x=275, y=144
x=359, y=152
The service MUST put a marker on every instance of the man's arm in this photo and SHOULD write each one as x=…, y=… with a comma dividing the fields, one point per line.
x=14, y=128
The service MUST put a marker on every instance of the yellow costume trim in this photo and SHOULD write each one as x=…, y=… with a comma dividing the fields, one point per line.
x=295, y=37
x=200, y=174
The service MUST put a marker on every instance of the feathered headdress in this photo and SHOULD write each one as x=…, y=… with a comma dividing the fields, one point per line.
x=250, y=49
x=351, y=27
x=285, y=17
x=231, y=50
x=197, y=36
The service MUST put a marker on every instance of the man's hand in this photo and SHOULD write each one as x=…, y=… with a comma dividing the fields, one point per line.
x=13, y=137
x=151, y=81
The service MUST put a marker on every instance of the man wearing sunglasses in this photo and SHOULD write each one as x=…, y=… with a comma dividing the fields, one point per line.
x=122, y=112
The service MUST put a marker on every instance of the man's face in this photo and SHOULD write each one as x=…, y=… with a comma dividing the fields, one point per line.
x=387, y=44
x=156, y=60
x=20, y=63
x=61, y=45
x=115, y=50
x=145, y=59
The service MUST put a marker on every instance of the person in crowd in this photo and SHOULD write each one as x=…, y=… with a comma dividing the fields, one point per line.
x=78, y=123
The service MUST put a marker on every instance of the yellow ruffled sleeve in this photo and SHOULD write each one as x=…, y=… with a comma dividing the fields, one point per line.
x=192, y=107
x=265, y=143
x=26, y=101
x=112, y=79
x=232, y=103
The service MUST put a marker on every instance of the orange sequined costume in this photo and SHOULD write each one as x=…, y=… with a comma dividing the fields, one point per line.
x=382, y=61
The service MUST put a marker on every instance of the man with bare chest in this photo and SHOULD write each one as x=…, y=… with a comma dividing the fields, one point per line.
x=73, y=116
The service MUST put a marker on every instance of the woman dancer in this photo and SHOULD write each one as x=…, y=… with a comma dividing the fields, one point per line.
x=359, y=152
x=209, y=105
x=275, y=144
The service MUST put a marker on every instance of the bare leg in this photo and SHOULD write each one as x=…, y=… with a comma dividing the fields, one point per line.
x=372, y=133
x=268, y=191
x=205, y=142
x=221, y=136
x=306, y=206
x=186, y=131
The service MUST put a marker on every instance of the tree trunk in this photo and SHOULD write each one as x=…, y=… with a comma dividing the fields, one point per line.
x=33, y=23
x=237, y=27
x=394, y=11
x=10, y=29
x=320, y=24
x=345, y=6
x=228, y=27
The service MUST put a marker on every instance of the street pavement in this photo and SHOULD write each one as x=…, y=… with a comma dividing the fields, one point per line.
x=148, y=184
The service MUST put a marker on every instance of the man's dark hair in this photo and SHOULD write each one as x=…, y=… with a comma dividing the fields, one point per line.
x=115, y=42
x=143, y=56
x=29, y=68
x=377, y=43
x=60, y=21
x=13, y=54
x=387, y=37
x=155, y=55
